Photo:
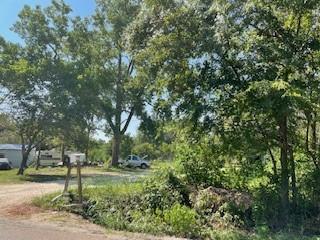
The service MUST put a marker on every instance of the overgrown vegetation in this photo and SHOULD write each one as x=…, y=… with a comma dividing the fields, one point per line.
x=168, y=203
x=226, y=88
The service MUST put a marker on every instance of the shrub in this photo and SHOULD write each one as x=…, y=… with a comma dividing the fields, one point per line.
x=164, y=190
x=111, y=205
x=224, y=207
x=262, y=212
x=182, y=220
x=144, y=221
x=200, y=165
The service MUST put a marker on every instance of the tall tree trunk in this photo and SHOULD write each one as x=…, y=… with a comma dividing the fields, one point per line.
x=89, y=130
x=274, y=164
x=62, y=153
x=38, y=159
x=117, y=128
x=307, y=132
x=86, y=153
x=293, y=178
x=87, y=146
x=284, y=184
x=314, y=134
x=314, y=142
x=25, y=156
x=116, y=148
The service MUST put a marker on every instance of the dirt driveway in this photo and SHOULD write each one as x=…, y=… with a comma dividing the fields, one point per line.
x=19, y=220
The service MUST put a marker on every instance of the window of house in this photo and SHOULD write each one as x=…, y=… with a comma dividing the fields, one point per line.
x=46, y=157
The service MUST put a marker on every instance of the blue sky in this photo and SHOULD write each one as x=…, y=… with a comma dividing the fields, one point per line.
x=9, y=10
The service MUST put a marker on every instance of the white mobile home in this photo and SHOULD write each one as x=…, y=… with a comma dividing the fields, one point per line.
x=49, y=158
x=53, y=157
x=74, y=157
x=13, y=152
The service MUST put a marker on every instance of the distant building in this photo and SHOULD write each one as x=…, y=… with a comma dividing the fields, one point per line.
x=13, y=152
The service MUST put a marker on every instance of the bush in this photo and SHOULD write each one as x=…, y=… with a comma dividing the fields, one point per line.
x=224, y=207
x=262, y=212
x=144, y=208
x=200, y=165
x=144, y=221
x=111, y=205
x=164, y=190
x=166, y=151
x=182, y=220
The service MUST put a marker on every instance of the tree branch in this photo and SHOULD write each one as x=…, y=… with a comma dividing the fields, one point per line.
x=109, y=120
x=125, y=127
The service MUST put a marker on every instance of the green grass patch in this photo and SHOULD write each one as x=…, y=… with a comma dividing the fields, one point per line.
x=10, y=177
x=45, y=201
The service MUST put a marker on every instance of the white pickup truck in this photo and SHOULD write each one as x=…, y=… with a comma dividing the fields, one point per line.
x=135, y=161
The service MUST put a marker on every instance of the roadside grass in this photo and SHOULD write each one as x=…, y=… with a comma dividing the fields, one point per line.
x=112, y=189
x=222, y=234
x=10, y=177
x=45, y=201
x=91, y=175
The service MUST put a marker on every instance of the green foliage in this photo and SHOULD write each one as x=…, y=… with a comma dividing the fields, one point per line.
x=98, y=152
x=182, y=220
x=164, y=190
x=310, y=184
x=236, y=71
x=241, y=77
x=8, y=131
x=263, y=214
x=200, y=164
x=233, y=234
x=126, y=146
x=146, y=149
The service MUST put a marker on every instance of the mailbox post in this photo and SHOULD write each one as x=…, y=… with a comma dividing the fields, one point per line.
x=79, y=180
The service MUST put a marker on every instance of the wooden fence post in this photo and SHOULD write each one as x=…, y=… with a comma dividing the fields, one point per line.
x=66, y=184
x=79, y=181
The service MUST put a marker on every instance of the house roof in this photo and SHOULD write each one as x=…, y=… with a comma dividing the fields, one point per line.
x=10, y=147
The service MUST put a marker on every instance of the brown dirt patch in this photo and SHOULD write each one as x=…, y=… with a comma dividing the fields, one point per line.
x=24, y=210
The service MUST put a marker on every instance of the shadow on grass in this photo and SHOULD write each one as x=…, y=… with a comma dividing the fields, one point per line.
x=87, y=179
x=90, y=176
x=44, y=178
x=126, y=170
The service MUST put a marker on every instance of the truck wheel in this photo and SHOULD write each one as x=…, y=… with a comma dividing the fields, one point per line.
x=144, y=166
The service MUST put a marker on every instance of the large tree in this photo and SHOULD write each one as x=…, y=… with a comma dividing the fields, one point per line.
x=23, y=75
x=239, y=69
x=89, y=73
x=120, y=98
x=63, y=42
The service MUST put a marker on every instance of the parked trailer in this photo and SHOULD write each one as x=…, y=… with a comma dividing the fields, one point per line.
x=13, y=152
x=53, y=158
x=49, y=158
x=74, y=157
